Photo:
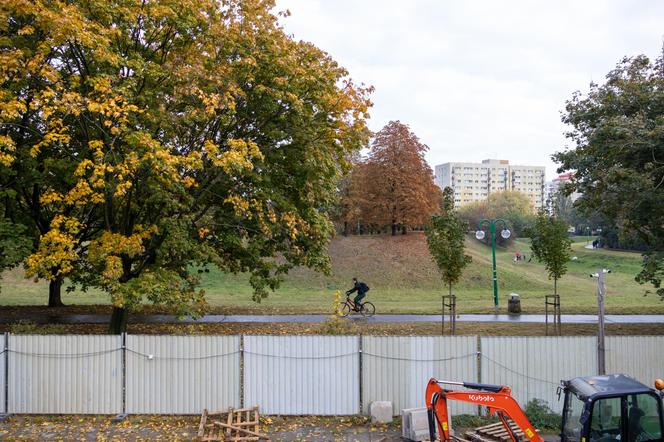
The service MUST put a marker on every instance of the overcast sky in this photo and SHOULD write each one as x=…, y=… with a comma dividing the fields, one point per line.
x=478, y=79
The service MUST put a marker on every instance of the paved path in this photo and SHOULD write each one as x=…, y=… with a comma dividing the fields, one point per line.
x=164, y=319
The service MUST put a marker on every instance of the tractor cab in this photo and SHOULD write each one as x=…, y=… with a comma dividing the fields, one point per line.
x=610, y=408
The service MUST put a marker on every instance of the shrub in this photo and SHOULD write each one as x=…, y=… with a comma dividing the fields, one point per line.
x=541, y=416
x=32, y=328
x=335, y=324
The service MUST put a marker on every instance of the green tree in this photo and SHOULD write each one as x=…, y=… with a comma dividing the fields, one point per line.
x=15, y=245
x=445, y=237
x=563, y=207
x=145, y=139
x=618, y=155
x=513, y=207
x=551, y=245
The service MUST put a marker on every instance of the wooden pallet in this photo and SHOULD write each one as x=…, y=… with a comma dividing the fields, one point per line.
x=232, y=425
x=495, y=432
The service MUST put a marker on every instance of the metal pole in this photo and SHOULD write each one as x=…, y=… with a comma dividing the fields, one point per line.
x=601, y=359
x=453, y=313
x=546, y=316
x=442, y=315
x=492, y=229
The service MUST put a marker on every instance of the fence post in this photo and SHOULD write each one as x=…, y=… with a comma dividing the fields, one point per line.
x=242, y=370
x=124, y=373
x=359, y=346
x=123, y=369
x=480, y=410
x=6, y=376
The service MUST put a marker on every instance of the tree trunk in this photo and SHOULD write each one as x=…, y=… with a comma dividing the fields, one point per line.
x=345, y=228
x=555, y=286
x=394, y=227
x=55, y=293
x=118, y=321
x=403, y=229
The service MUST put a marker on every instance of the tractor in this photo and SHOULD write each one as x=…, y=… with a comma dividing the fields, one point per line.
x=601, y=408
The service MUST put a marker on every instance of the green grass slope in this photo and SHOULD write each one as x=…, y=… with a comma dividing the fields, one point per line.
x=403, y=279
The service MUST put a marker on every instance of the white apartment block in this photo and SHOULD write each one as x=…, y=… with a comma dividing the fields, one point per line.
x=552, y=187
x=475, y=181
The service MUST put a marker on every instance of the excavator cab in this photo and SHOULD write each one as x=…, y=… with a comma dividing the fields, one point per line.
x=610, y=408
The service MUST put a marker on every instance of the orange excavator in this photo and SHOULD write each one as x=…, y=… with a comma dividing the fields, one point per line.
x=601, y=408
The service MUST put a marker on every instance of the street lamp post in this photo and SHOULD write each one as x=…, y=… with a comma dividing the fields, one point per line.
x=601, y=292
x=505, y=233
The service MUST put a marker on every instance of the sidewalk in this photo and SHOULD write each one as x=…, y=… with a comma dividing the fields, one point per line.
x=166, y=319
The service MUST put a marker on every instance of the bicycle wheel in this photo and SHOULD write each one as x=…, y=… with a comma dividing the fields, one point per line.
x=368, y=309
x=344, y=309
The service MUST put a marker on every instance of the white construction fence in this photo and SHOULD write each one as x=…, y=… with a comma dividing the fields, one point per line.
x=292, y=375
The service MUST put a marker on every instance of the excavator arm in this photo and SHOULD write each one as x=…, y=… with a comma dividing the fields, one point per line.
x=497, y=398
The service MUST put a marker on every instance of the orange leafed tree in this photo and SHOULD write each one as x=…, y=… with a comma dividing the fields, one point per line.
x=394, y=186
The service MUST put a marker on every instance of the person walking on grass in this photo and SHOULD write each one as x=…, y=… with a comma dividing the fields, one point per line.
x=361, y=289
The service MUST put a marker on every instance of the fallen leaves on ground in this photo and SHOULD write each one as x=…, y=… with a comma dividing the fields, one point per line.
x=183, y=428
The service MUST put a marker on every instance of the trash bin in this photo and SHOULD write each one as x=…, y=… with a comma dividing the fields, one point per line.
x=514, y=304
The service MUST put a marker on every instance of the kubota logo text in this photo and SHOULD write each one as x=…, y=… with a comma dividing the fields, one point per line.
x=480, y=398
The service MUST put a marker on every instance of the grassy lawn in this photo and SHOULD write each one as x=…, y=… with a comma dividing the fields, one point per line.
x=404, y=280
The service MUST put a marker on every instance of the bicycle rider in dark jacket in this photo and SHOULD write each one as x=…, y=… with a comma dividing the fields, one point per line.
x=361, y=289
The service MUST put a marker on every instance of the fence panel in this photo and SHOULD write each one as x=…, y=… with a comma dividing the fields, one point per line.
x=534, y=366
x=182, y=374
x=295, y=375
x=397, y=368
x=72, y=374
x=3, y=359
x=641, y=357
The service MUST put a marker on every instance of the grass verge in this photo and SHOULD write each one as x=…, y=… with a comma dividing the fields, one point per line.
x=353, y=328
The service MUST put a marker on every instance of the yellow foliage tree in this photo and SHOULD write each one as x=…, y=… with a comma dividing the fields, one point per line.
x=141, y=138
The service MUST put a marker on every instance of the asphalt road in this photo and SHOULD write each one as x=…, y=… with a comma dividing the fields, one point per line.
x=165, y=319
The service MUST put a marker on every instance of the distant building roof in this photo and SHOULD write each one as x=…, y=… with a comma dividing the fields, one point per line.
x=565, y=176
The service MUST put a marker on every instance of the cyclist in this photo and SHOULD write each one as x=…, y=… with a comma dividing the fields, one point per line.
x=361, y=289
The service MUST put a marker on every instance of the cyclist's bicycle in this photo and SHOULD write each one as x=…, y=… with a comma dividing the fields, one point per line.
x=367, y=309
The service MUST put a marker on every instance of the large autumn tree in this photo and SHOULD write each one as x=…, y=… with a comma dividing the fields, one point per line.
x=394, y=185
x=144, y=139
x=618, y=155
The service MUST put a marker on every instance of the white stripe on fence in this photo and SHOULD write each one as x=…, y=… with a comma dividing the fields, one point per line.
x=533, y=366
x=397, y=368
x=641, y=357
x=79, y=374
x=182, y=374
x=295, y=375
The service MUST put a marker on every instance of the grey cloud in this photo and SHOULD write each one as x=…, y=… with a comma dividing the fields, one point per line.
x=478, y=79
